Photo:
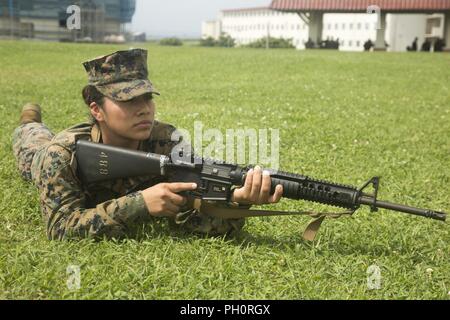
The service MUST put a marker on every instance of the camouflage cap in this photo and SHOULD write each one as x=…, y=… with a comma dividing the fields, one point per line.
x=122, y=75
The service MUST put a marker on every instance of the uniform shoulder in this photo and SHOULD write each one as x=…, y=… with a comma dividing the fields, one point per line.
x=68, y=137
x=161, y=131
x=59, y=154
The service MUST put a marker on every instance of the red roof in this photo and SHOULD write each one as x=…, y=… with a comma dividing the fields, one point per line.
x=246, y=9
x=360, y=5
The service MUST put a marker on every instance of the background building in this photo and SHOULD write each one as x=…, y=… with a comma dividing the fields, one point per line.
x=249, y=25
x=352, y=30
x=46, y=19
x=211, y=29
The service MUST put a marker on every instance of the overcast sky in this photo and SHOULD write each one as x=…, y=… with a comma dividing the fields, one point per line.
x=182, y=18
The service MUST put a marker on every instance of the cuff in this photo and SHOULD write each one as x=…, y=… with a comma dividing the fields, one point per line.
x=133, y=208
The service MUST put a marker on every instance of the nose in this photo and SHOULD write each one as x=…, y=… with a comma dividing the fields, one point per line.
x=145, y=107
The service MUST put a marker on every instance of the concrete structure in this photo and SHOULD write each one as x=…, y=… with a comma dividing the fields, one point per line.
x=447, y=29
x=351, y=29
x=314, y=11
x=46, y=19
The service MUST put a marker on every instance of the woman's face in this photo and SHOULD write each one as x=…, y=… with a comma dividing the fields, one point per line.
x=131, y=120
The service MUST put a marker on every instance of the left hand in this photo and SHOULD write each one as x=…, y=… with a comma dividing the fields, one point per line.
x=256, y=189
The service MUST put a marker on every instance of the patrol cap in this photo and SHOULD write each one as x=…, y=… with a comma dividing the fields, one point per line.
x=122, y=75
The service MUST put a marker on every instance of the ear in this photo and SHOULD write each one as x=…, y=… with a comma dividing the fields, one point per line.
x=97, y=112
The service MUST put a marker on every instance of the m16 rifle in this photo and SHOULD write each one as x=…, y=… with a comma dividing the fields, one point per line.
x=215, y=181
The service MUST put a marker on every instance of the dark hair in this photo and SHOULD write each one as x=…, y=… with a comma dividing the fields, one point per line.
x=91, y=94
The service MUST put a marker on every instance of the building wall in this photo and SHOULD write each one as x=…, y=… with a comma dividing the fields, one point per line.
x=121, y=10
x=5, y=26
x=45, y=16
x=352, y=30
x=403, y=29
x=248, y=26
x=211, y=29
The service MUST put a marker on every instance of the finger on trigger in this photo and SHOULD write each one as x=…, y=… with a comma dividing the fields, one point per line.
x=182, y=186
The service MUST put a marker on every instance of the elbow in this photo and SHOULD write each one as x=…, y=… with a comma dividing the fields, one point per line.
x=77, y=229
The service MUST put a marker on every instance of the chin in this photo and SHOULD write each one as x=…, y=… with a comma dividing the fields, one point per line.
x=142, y=135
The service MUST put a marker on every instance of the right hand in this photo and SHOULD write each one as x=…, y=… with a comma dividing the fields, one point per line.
x=162, y=199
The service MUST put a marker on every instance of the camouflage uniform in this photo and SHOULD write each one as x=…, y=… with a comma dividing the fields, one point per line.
x=112, y=209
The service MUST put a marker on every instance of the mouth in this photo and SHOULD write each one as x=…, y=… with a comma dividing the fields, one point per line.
x=143, y=124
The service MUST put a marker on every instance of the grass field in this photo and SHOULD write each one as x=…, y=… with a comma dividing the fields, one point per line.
x=342, y=116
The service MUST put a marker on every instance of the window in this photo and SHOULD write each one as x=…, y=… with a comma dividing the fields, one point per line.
x=329, y=26
x=358, y=43
x=336, y=27
x=343, y=26
x=350, y=43
x=359, y=25
x=367, y=26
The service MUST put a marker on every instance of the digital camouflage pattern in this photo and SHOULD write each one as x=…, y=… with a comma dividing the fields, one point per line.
x=112, y=209
x=122, y=75
x=27, y=140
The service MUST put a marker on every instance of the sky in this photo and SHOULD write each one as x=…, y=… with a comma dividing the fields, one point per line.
x=182, y=18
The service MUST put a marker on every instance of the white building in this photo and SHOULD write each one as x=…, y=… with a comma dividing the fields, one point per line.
x=211, y=29
x=249, y=25
x=352, y=30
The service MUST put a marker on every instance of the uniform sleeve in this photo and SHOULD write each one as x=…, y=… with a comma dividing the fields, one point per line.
x=63, y=204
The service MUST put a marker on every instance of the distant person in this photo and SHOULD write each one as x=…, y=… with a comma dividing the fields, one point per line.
x=426, y=46
x=413, y=46
x=439, y=45
x=309, y=44
x=337, y=44
x=368, y=45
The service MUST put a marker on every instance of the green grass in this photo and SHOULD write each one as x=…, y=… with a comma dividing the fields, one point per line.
x=342, y=116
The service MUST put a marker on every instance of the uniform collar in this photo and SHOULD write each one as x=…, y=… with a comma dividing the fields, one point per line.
x=96, y=136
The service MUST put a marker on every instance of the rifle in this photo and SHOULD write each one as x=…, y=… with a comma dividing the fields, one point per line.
x=215, y=181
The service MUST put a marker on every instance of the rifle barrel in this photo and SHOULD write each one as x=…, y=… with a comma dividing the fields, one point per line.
x=368, y=200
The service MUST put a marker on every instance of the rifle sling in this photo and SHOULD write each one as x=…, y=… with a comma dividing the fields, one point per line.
x=234, y=213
